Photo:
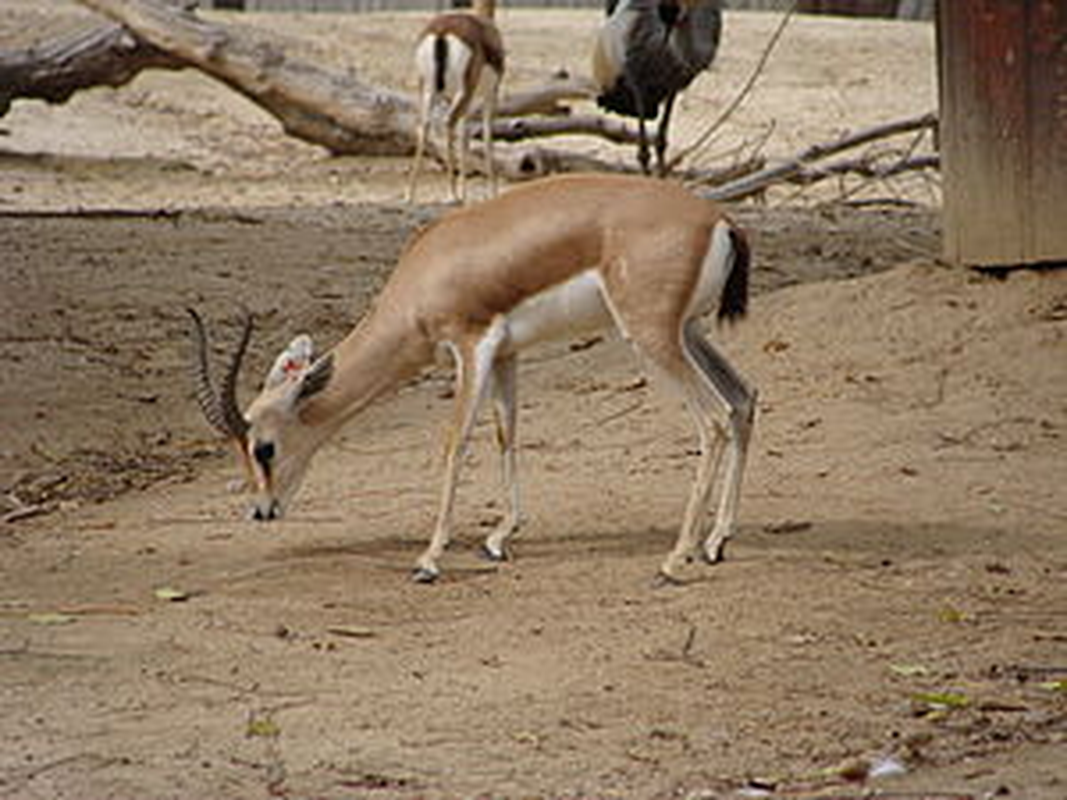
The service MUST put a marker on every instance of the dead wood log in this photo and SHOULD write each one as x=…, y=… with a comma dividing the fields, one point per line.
x=548, y=99
x=534, y=162
x=519, y=128
x=339, y=112
x=101, y=55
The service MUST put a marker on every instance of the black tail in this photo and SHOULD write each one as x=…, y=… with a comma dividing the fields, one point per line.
x=440, y=63
x=734, y=301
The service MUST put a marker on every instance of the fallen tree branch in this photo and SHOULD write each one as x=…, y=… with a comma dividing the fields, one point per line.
x=537, y=161
x=102, y=55
x=511, y=130
x=719, y=176
x=547, y=99
x=802, y=169
x=338, y=112
x=867, y=167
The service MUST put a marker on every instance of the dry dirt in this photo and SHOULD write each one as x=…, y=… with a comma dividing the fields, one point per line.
x=896, y=596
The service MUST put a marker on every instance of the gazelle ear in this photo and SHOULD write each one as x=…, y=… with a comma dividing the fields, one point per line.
x=316, y=378
x=294, y=361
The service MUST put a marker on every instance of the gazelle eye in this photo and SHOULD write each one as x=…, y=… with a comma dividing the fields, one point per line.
x=263, y=452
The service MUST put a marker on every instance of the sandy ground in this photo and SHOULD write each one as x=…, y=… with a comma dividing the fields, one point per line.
x=896, y=596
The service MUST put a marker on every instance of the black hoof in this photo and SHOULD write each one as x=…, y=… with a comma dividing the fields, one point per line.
x=665, y=581
x=423, y=575
x=716, y=557
x=496, y=557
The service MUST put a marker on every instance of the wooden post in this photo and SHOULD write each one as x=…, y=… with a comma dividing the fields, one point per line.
x=1003, y=85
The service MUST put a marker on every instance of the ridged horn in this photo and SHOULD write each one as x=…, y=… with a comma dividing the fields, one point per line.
x=220, y=407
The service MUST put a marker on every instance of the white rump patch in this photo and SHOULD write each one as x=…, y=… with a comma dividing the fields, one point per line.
x=714, y=270
x=459, y=56
x=571, y=308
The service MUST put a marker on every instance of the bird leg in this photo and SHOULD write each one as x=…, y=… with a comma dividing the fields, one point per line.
x=643, y=155
x=661, y=136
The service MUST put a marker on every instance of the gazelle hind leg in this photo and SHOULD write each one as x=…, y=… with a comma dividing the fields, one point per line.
x=678, y=372
x=450, y=159
x=503, y=381
x=741, y=408
x=425, y=114
x=474, y=361
x=488, y=113
x=464, y=150
x=457, y=118
x=704, y=410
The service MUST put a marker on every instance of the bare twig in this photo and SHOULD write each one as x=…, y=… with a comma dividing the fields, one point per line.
x=725, y=175
x=702, y=140
x=868, y=167
x=802, y=169
x=883, y=179
x=26, y=512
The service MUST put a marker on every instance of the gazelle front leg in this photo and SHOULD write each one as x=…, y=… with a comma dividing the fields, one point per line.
x=693, y=523
x=474, y=361
x=712, y=390
x=503, y=381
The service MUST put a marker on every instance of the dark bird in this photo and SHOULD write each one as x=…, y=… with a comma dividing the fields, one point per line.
x=647, y=52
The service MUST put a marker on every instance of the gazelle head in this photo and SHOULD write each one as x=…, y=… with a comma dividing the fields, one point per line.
x=273, y=441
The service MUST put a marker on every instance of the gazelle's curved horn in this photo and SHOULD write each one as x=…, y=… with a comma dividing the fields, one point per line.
x=235, y=420
x=220, y=409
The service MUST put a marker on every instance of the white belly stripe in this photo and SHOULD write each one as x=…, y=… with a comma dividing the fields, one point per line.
x=574, y=307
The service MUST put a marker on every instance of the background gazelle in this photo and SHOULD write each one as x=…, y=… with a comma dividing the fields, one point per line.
x=551, y=258
x=459, y=57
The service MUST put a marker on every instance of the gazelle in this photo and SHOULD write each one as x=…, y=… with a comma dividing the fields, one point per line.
x=459, y=57
x=549, y=259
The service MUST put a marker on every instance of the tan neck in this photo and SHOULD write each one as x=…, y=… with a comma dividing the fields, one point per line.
x=484, y=8
x=374, y=359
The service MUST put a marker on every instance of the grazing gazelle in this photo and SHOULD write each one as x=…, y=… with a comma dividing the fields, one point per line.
x=553, y=258
x=459, y=57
